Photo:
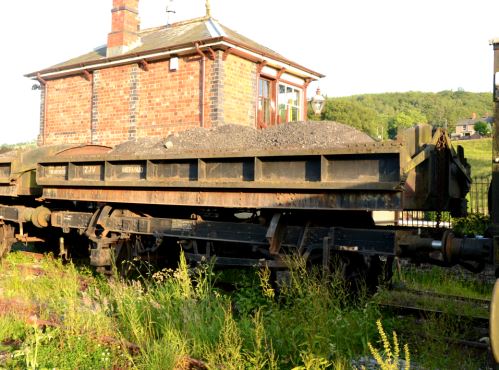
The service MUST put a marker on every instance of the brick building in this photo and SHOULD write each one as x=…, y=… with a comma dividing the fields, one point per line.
x=151, y=82
x=466, y=128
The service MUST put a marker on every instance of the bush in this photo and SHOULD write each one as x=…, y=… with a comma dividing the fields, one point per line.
x=483, y=128
x=472, y=225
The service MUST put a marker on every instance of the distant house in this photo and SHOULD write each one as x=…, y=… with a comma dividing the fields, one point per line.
x=466, y=127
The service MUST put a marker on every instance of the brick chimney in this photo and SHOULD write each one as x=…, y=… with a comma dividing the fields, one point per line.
x=125, y=29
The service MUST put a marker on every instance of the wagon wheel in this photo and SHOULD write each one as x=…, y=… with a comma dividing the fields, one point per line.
x=6, y=239
x=380, y=272
x=354, y=272
x=366, y=272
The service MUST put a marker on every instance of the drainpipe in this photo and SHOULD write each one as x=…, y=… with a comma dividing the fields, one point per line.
x=203, y=74
x=43, y=84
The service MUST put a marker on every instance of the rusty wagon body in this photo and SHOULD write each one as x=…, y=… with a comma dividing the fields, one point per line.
x=245, y=207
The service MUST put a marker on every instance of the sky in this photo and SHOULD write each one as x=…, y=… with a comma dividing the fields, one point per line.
x=362, y=46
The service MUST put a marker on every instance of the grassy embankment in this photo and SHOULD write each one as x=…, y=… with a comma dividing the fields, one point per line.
x=8, y=147
x=60, y=316
x=479, y=155
x=174, y=317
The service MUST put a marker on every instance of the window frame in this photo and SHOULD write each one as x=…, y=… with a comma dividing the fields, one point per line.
x=275, y=82
x=272, y=98
x=298, y=106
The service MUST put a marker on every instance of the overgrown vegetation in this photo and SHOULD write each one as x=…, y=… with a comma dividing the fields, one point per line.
x=80, y=321
x=391, y=357
x=472, y=225
x=456, y=281
x=60, y=316
x=380, y=115
x=434, y=341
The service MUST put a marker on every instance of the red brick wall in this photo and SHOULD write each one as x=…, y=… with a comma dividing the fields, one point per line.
x=169, y=101
x=239, y=91
x=127, y=102
x=67, y=111
x=112, y=92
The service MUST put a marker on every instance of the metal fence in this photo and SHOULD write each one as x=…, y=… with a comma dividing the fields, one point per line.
x=423, y=219
x=478, y=197
x=477, y=203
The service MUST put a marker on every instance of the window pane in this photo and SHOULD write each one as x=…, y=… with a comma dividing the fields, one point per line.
x=264, y=103
x=296, y=98
x=289, y=103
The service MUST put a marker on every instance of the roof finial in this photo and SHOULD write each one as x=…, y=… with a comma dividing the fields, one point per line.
x=169, y=11
x=208, y=9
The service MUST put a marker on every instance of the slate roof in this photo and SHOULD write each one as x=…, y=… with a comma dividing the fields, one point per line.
x=176, y=35
x=472, y=121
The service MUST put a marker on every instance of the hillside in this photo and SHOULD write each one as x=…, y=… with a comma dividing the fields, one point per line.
x=478, y=153
x=8, y=147
x=380, y=115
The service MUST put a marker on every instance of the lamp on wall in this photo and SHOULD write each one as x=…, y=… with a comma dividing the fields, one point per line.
x=318, y=102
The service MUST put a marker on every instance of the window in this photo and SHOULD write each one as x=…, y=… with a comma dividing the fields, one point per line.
x=289, y=102
x=287, y=98
x=266, y=106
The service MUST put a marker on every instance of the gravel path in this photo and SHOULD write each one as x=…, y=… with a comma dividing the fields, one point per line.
x=295, y=135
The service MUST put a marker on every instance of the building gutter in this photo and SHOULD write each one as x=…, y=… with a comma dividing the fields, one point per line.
x=106, y=63
x=43, y=120
x=273, y=60
x=157, y=54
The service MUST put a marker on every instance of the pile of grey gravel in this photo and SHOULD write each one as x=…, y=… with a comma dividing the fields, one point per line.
x=231, y=137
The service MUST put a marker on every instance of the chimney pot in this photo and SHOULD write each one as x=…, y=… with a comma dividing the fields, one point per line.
x=125, y=27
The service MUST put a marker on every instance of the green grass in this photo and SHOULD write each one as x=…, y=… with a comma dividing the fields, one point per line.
x=176, y=315
x=479, y=155
x=446, y=281
x=436, y=331
x=172, y=316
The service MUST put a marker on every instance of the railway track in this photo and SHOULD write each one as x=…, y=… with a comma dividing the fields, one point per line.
x=480, y=301
x=425, y=312
x=418, y=305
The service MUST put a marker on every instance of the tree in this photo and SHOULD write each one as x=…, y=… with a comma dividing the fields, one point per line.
x=384, y=113
x=352, y=113
x=483, y=128
x=405, y=119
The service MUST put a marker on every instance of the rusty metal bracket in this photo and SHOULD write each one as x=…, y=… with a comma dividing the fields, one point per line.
x=260, y=66
x=418, y=159
x=144, y=65
x=275, y=233
x=90, y=230
x=303, y=239
x=87, y=75
x=212, y=53
x=101, y=220
x=280, y=73
x=328, y=241
x=226, y=54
